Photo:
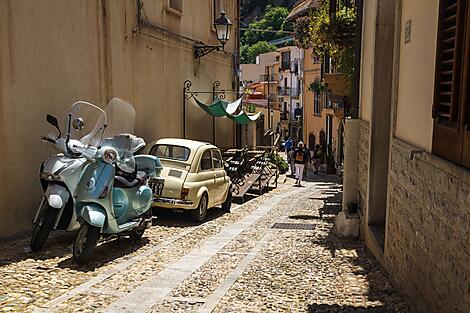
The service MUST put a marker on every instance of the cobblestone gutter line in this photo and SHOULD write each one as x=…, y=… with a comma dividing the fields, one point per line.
x=213, y=300
x=160, y=285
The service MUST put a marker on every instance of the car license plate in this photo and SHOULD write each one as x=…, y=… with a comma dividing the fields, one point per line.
x=157, y=186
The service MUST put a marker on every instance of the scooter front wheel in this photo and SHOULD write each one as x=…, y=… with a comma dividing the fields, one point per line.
x=43, y=228
x=85, y=242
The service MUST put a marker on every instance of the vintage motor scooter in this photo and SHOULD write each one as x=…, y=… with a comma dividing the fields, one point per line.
x=96, y=184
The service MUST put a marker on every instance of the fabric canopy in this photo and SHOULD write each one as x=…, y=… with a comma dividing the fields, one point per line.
x=244, y=118
x=220, y=108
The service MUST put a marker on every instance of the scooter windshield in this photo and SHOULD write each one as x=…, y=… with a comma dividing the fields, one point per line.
x=91, y=125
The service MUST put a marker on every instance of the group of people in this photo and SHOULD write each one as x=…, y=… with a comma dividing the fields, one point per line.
x=300, y=158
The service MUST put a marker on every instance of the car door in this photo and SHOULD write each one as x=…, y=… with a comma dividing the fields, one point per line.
x=220, y=177
x=206, y=175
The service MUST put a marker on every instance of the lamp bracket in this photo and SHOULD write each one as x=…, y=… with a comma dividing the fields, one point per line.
x=201, y=49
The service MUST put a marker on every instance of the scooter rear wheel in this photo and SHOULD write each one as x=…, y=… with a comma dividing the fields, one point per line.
x=85, y=242
x=43, y=228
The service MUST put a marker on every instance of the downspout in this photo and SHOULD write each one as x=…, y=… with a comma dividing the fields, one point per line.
x=236, y=65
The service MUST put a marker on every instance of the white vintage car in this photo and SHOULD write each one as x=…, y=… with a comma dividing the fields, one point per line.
x=193, y=177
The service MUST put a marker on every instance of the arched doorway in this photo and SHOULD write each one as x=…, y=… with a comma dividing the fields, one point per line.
x=340, y=155
x=311, y=141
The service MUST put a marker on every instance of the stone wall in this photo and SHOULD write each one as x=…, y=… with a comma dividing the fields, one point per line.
x=427, y=248
x=363, y=166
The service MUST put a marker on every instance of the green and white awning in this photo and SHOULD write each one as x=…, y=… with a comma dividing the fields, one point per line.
x=220, y=108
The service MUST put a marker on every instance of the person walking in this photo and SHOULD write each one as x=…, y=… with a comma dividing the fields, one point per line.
x=290, y=161
x=300, y=158
x=309, y=159
x=316, y=158
x=288, y=145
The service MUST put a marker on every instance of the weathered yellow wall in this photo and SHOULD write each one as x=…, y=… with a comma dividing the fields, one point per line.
x=54, y=52
x=416, y=78
x=312, y=72
x=367, y=59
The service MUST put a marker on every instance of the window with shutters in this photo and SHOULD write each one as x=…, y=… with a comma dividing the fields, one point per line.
x=451, y=109
x=216, y=9
x=175, y=6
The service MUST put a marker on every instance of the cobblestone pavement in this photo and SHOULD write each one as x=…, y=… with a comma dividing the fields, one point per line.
x=275, y=253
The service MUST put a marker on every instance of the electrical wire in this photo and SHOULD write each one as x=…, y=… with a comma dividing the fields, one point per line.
x=266, y=30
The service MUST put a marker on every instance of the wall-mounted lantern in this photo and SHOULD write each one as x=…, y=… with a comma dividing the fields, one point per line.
x=222, y=27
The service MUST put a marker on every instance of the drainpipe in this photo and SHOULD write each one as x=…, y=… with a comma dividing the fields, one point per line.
x=236, y=65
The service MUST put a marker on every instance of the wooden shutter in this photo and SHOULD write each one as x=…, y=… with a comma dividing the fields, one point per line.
x=465, y=114
x=447, y=137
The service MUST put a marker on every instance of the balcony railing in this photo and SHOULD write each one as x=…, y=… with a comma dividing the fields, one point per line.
x=334, y=106
x=272, y=77
x=272, y=98
x=290, y=92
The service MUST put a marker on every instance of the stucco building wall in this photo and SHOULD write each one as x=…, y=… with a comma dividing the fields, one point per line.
x=53, y=53
x=416, y=73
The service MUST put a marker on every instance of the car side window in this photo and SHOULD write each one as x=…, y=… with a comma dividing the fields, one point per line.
x=206, y=161
x=217, y=159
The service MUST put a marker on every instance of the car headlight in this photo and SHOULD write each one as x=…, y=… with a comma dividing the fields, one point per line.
x=109, y=155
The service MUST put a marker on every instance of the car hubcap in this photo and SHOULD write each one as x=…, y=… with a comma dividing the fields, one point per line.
x=203, y=206
x=81, y=239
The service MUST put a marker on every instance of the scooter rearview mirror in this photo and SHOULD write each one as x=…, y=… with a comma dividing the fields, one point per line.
x=53, y=121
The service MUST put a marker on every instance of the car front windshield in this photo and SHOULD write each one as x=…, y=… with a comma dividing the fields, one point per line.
x=171, y=152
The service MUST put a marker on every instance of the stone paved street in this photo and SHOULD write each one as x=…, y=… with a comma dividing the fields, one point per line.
x=275, y=253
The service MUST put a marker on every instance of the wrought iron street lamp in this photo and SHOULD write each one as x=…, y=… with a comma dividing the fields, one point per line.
x=222, y=27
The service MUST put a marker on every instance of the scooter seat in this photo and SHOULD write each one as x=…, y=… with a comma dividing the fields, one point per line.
x=127, y=182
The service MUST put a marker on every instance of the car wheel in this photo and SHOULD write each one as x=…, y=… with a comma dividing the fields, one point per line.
x=228, y=202
x=200, y=213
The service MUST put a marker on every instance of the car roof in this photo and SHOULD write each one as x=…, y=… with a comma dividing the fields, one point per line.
x=191, y=144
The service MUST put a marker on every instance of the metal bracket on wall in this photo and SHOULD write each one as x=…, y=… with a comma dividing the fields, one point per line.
x=216, y=94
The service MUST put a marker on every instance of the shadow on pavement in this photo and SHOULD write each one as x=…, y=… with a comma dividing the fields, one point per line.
x=105, y=253
x=60, y=244
x=171, y=218
x=354, y=252
x=334, y=308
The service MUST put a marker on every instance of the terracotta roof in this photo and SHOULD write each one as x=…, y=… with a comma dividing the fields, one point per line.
x=302, y=7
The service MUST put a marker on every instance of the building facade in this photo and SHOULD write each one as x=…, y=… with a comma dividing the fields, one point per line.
x=259, y=83
x=323, y=120
x=53, y=53
x=407, y=156
x=290, y=91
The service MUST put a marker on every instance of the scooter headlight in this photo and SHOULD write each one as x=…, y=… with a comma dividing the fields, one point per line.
x=109, y=155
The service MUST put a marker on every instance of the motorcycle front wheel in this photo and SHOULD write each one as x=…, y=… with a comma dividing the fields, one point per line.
x=85, y=242
x=43, y=227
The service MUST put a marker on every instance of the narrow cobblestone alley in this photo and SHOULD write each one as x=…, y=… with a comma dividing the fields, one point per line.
x=275, y=253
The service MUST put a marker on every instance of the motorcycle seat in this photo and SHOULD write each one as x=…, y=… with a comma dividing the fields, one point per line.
x=136, y=180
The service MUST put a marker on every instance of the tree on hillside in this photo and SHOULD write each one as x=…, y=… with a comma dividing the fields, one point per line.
x=274, y=19
x=250, y=7
x=249, y=53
